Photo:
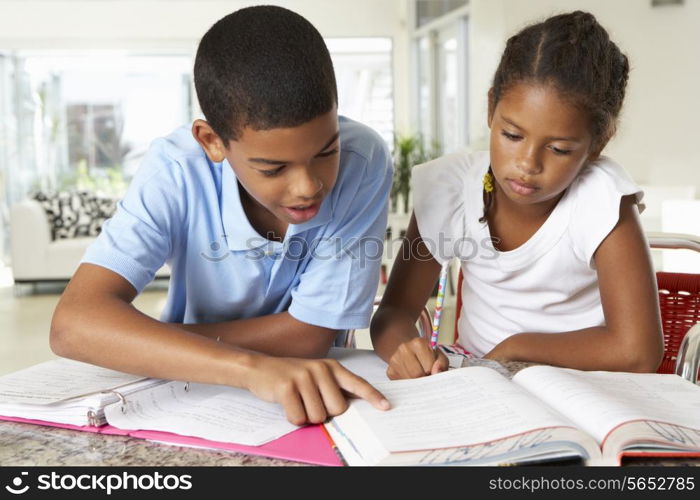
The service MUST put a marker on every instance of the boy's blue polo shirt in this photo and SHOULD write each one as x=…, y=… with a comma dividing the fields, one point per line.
x=185, y=210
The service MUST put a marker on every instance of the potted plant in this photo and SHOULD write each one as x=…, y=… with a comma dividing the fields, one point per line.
x=409, y=150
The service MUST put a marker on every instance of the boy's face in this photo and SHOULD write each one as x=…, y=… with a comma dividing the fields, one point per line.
x=287, y=172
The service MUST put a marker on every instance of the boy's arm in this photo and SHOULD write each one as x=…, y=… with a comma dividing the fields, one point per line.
x=275, y=334
x=631, y=339
x=393, y=330
x=95, y=322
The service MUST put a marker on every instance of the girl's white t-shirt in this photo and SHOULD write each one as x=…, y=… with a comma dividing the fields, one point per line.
x=547, y=285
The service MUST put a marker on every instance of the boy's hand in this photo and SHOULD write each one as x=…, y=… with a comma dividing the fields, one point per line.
x=309, y=390
x=415, y=358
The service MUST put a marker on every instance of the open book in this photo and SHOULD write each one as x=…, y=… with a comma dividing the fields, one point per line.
x=476, y=416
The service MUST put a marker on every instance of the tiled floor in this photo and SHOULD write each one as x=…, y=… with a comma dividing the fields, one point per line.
x=25, y=319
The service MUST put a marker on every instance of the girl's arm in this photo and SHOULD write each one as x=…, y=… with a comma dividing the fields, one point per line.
x=393, y=327
x=95, y=322
x=631, y=339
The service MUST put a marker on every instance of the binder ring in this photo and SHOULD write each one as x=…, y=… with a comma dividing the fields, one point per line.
x=92, y=418
x=121, y=397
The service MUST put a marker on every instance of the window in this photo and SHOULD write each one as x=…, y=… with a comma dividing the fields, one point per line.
x=429, y=10
x=365, y=84
x=442, y=84
x=85, y=119
x=448, y=127
x=97, y=114
x=426, y=85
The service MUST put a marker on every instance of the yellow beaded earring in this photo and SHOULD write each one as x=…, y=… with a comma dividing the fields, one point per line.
x=488, y=182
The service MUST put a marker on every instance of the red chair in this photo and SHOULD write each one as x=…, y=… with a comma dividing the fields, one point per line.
x=679, y=299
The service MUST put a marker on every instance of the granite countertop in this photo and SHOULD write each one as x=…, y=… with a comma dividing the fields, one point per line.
x=33, y=445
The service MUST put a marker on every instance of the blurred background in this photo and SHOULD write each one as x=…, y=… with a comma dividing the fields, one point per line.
x=86, y=85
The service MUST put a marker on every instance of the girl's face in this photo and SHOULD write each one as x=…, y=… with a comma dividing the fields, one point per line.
x=539, y=143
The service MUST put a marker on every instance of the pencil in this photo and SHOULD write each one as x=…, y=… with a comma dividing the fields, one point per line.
x=334, y=446
x=438, y=305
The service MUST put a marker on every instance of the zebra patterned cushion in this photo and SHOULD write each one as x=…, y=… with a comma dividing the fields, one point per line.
x=75, y=213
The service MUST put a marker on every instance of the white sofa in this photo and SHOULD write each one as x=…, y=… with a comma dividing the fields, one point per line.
x=35, y=257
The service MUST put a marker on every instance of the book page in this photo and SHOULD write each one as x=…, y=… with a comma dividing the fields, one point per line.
x=362, y=362
x=597, y=402
x=540, y=446
x=656, y=438
x=455, y=408
x=221, y=413
x=213, y=412
x=58, y=380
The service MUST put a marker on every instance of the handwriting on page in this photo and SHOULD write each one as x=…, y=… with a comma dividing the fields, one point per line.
x=217, y=413
x=57, y=380
x=600, y=401
x=481, y=404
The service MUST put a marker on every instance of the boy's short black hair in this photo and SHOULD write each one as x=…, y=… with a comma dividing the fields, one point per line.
x=263, y=67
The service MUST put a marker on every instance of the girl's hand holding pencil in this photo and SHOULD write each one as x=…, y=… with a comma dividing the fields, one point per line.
x=416, y=358
x=420, y=356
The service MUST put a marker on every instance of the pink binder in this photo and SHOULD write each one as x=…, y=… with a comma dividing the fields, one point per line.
x=309, y=444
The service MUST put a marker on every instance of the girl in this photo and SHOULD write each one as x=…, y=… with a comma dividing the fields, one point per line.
x=556, y=266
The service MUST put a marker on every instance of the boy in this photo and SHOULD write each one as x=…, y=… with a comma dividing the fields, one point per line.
x=265, y=212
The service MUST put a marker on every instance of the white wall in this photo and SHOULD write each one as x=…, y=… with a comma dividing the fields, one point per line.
x=658, y=134
x=660, y=129
x=178, y=25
